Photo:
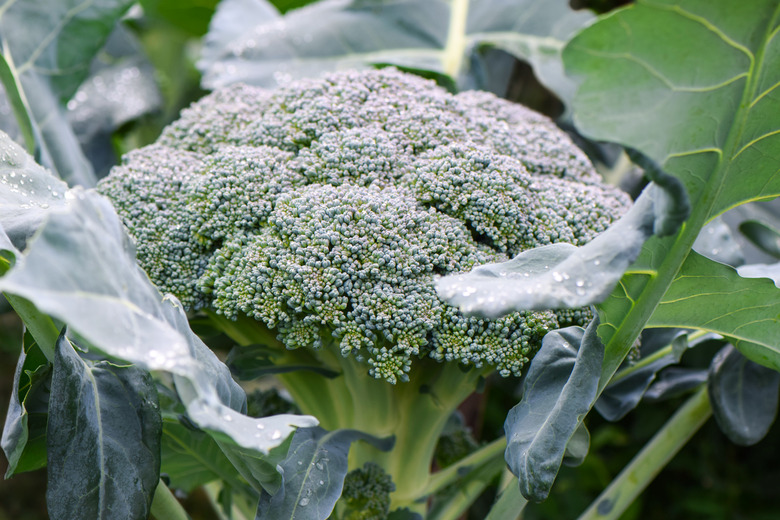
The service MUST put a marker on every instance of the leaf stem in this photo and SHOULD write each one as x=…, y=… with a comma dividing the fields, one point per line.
x=450, y=474
x=468, y=489
x=165, y=506
x=456, y=38
x=655, y=356
x=510, y=503
x=635, y=477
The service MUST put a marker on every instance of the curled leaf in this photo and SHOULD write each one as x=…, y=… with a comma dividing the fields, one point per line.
x=558, y=391
x=558, y=275
x=744, y=396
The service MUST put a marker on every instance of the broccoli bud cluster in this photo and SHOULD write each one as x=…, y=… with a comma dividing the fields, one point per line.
x=325, y=209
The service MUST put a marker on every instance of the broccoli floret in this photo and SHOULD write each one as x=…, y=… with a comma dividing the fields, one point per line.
x=325, y=209
x=455, y=443
x=366, y=494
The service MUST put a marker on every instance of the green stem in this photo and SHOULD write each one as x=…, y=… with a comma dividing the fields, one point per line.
x=40, y=325
x=635, y=477
x=450, y=474
x=510, y=503
x=165, y=506
x=456, y=38
x=648, y=360
x=415, y=412
x=467, y=491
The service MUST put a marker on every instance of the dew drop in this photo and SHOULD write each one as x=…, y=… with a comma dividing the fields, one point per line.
x=580, y=283
x=303, y=502
x=227, y=418
x=557, y=277
x=260, y=426
x=277, y=434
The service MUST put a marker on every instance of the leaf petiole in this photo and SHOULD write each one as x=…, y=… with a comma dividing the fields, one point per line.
x=635, y=477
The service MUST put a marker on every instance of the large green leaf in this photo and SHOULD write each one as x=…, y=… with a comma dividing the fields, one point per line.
x=48, y=46
x=249, y=41
x=710, y=296
x=691, y=83
x=103, y=439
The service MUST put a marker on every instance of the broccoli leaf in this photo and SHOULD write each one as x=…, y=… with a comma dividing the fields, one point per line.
x=559, y=390
x=314, y=472
x=103, y=439
x=48, y=46
x=707, y=115
x=704, y=115
x=249, y=41
x=558, y=275
x=710, y=296
x=192, y=458
x=743, y=395
x=97, y=288
x=659, y=348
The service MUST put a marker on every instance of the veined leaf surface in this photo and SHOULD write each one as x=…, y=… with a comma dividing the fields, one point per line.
x=694, y=85
x=249, y=41
x=48, y=46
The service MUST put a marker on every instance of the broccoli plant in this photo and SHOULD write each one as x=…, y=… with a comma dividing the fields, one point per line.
x=375, y=247
x=313, y=219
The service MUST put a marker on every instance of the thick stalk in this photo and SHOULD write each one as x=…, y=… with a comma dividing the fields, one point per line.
x=635, y=477
x=414, y=412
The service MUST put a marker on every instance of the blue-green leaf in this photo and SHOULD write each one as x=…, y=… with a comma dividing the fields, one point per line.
x=103, y=439
x=49, y=46
x=558, y=391
x=29, y=191
x=558, y=275
x=249, y=41
x=743, y=395
x=627, y=388
x=314, y=472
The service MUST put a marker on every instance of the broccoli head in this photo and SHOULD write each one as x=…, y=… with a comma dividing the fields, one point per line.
x=324, y=210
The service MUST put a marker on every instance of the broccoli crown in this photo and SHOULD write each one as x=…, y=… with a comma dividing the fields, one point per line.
x=366, y=493
x=325, y=209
